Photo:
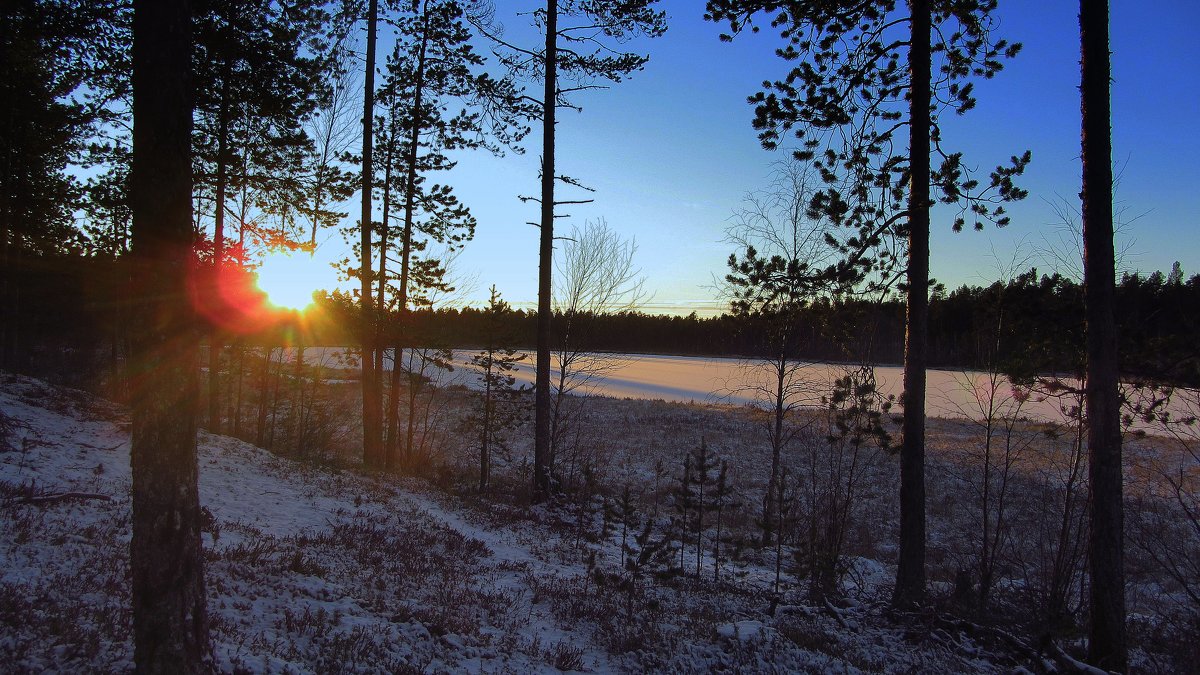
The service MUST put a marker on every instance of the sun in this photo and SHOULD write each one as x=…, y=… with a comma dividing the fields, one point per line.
x=289, y=280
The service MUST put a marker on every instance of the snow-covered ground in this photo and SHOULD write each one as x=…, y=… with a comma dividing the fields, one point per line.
x=316, y=569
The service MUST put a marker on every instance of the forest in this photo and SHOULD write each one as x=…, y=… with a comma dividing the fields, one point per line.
x=199, y=475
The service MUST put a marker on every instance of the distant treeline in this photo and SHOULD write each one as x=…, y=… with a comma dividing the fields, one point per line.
x=1031, y=324
x=72, y=312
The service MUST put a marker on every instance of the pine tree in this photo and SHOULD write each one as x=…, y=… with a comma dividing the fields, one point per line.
x=255, y=85
x=63, y=69
x=703, y=464
x=437, y=101
x=849, y=74
x=1106, y=541
x=576, y=55
x=499, y=404
x=684, y=503
x=170, y=629
x=372, y=391
x=640, y=554
x=722, y=501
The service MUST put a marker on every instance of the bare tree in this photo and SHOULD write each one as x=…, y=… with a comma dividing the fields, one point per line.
x=785, y=262
x=581, y=52
x=170, y=626
x=596, y=274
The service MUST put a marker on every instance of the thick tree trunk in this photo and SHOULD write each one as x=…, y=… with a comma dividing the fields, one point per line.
x=166, y=564
x=910, y=570
x=541, y=452
x=1106, y=637
x=372, y=399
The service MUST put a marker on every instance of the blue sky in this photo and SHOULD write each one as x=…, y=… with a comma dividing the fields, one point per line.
x=671, y=152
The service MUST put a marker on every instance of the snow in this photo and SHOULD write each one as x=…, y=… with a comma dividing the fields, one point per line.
x=316, y=569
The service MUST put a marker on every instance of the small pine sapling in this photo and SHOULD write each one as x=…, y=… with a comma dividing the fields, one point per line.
x=642, y=553
x=703, y=465
x=721, y=500
x=499, y=408
x=684, y=502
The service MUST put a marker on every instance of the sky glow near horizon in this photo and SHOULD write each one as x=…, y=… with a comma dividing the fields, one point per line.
x=671, y=154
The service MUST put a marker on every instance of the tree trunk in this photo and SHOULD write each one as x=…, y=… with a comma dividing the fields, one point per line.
x=170, y=627
x=372, y=404
x=410, y=207
x=1106, y=637
x=910, y=570
x=769, y=500
x=214, y=336
x=486, y=431
x=541, y=452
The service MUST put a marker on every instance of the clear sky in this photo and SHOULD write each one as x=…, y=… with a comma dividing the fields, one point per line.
x=671, y=152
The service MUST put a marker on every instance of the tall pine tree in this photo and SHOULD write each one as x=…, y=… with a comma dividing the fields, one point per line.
x=1106, y=539
x=580, y=51
x=170, y=630
x=869, y=66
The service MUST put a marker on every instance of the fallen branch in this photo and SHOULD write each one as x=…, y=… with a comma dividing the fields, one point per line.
x=43, y=500
x=835, y=614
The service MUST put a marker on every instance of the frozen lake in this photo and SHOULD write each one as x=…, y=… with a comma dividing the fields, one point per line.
x=950, y=393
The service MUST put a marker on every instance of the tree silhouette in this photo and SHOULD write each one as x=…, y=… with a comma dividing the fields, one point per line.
x=1106, y=539
x=847, y=99
x=575, y=57
x=170, y=627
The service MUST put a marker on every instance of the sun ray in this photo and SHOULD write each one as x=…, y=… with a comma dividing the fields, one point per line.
x=290, y=279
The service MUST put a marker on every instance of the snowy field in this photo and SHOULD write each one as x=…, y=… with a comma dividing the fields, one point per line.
x=314, y=568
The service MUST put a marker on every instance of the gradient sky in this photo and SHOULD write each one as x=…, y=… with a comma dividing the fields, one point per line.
x=671, y=153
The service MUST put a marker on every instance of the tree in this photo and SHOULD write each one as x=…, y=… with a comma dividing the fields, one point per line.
x=588, y=57
x=63, y=63
x=372, y=391
x=499, y=404
x=166, y=562
x=785, y=263
x=840, y=455
x=1106, y=543
x=595, y=275
x=437, y=102
x=847, y=100
x=255, y=86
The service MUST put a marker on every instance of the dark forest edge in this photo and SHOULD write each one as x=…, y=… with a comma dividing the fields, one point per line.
x=1033, y=324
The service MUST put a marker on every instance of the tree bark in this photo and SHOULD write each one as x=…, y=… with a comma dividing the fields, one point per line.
x=214, y=336
x=167, y=568
x=910, y=570
x=410, y=207
x=1106, y=636
x=372, y=406
x=541, y=452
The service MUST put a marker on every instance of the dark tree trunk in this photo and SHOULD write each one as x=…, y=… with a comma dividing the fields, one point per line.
x=541, y=452
x=372, y=399
x=1106, y=637
x=214, y=337
x=910, y=570
x=410, y=208
x=167, y=568
x=486, y=424
x=773, y=484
